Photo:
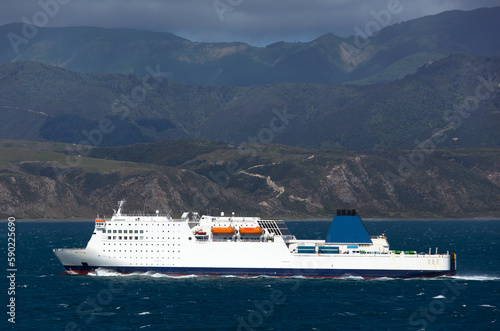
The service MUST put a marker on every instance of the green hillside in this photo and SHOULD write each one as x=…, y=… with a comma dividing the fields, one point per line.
x=46, y=180
x=39, y=102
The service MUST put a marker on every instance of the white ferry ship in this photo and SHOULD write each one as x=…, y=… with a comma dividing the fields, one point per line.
x=243, y=246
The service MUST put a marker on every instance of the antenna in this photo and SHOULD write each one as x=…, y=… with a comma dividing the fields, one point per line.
x=121, y=203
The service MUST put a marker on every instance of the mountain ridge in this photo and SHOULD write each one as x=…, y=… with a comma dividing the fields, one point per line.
x=395, y=51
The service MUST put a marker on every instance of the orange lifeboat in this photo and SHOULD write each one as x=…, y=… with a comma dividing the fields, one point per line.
x=251, y=231
x=99, y=220
x=223, y=230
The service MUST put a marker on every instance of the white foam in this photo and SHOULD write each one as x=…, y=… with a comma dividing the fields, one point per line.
x=383, y=278
x=160, y=275
x=439, y=297
x=353, y=277
x=476, y=277
x=102, y=272
x=144, y=313
x=297, y=276
x=71, y=272
x=487, y=306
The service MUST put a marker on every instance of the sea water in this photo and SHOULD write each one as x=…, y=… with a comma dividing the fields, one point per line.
x=48, y=299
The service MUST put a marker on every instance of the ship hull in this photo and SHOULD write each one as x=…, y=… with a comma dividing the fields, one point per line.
x=272, y=272
x=222, y=259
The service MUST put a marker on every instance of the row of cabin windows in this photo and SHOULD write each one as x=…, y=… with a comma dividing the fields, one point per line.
x=136, y=238
x=126, y=238
x=137, y=251
x=130, y=224
x=141, y=244
x=126, y=231
x=142, y=263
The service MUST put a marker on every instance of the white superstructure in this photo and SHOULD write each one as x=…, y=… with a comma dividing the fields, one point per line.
x=245, y=246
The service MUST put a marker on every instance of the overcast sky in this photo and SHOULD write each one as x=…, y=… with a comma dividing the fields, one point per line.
x=257, y=22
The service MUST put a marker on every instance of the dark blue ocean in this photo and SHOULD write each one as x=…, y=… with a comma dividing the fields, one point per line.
x=48, y=299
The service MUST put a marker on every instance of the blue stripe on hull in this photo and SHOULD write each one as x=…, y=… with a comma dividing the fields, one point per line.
x=328, y=273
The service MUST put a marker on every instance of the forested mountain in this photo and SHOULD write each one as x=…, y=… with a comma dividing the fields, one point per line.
x=41, y=102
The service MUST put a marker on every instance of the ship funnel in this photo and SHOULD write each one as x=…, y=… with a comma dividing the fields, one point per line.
x=346, y=228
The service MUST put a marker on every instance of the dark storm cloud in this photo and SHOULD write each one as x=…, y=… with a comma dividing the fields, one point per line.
x=256, y=22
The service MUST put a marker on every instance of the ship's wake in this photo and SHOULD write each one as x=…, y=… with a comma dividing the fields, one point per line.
x=102, y=272
x=480, y=278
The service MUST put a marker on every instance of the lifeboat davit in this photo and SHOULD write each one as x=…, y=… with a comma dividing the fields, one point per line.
x=223, y=230
x=200, y=233
x=251, y=231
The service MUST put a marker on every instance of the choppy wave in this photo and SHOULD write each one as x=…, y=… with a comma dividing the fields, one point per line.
x=384, y=279
x=476, y=277
x=160, y=275
x=352, y=277
x=102, y=272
